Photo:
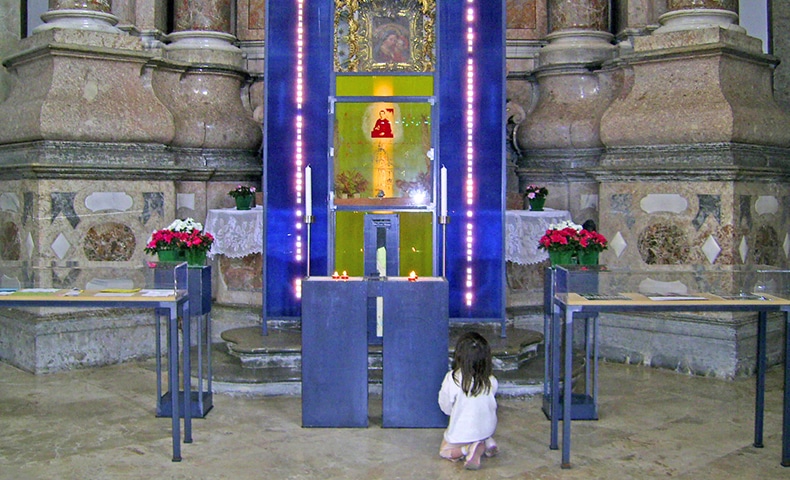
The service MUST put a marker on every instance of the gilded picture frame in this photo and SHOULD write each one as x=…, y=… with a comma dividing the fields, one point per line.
x=385, y=35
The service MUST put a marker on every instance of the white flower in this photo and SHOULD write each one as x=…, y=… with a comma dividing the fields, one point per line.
x=186, y=225
x=565, y=224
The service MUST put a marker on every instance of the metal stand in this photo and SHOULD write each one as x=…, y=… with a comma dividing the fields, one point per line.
x=443, y=221
x=308, y=220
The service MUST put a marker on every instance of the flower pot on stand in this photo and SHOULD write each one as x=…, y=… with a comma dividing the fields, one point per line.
x=588, y=257
x=536, y=204
x=561, y=257
x=243, y=202
x=196, y=258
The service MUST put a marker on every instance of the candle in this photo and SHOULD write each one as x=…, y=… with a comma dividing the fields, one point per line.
x=308, y=191
x=443, y=191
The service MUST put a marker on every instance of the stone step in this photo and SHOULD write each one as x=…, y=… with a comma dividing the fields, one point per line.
x=251, y=363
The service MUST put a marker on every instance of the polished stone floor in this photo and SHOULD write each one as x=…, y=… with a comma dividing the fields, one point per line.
x=99, y=424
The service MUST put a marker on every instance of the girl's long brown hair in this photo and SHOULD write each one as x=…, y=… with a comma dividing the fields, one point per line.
x=473, y=360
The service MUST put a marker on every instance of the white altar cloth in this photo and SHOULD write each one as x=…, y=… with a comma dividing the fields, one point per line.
x=237, y=233
x=523, y=229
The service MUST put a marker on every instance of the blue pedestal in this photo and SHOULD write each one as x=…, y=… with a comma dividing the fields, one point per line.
x=335, y=351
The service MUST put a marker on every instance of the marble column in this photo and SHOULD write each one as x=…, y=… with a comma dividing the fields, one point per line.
x=92, y=15
x=205, y=96
x=693, y=14
x=561, y=133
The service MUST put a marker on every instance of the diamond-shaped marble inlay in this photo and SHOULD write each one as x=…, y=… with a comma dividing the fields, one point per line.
x=711, y=249
x=743, y=249
x=786, y=245
x=618, y=244
x=61, y=246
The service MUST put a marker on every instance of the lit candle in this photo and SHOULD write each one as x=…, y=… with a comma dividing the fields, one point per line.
x=308, y=191
x=443, y=190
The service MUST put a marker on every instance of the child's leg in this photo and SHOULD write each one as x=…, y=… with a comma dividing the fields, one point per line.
x=492, y=450
x=474, y=453
x=451, y=451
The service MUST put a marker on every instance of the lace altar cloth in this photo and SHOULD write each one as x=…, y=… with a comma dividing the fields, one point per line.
x=523, y=229
x=237, y=233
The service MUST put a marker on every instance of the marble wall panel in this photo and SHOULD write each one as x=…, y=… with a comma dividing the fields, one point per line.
x=720, y=225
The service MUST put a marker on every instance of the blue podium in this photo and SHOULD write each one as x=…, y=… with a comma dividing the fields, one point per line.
x=335, y=351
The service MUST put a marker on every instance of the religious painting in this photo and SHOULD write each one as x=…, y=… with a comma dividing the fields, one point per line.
x=384, y=35
x=382, y=154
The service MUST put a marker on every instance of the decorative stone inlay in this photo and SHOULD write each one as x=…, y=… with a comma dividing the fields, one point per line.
x=185, y=200
x=786, y=245
x=663, y=202
x=9, y=202
x=708, y=205
x=711, y=249
x=663, y=244
x=766, y=245
x=63, y=202
x=766, y=204
x=61, y=246
x=618, y=244
x=27, y=212
x=98, y=201
x=109, y=242
x=153, y=202
x=745, y=208
x=743, y=249
x=621, y=203
x=10, y=245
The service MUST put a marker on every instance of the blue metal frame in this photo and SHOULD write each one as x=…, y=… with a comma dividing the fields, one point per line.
x=280, y=270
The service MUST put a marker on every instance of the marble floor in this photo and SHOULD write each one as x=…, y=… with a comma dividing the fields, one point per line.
x=99, y=424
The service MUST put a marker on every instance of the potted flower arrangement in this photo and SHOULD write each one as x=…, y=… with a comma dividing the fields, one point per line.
x=243, y=196
x=535, y=197
x=181, y=240
x=591, y=244
x=561, y=241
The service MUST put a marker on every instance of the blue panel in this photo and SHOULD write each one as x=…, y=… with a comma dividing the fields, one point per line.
x=416, y=332
x=334, y=353
x=488, y=250
x=280, y=266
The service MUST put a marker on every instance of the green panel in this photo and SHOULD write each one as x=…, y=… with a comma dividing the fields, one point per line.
x=384, y=86
x=416, y=243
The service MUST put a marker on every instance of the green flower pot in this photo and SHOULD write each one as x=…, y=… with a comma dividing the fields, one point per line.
x=196, y=258
x=561, y=257
x=243, y=202
x=536, y=204
x=588, y=257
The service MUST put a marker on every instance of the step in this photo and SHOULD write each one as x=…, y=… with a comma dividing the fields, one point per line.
x=253, y=364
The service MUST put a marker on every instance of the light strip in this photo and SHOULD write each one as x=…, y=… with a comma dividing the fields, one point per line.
x=469, y=184
x=299, y=162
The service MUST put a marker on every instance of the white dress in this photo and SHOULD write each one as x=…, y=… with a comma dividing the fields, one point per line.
x=471, y=418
